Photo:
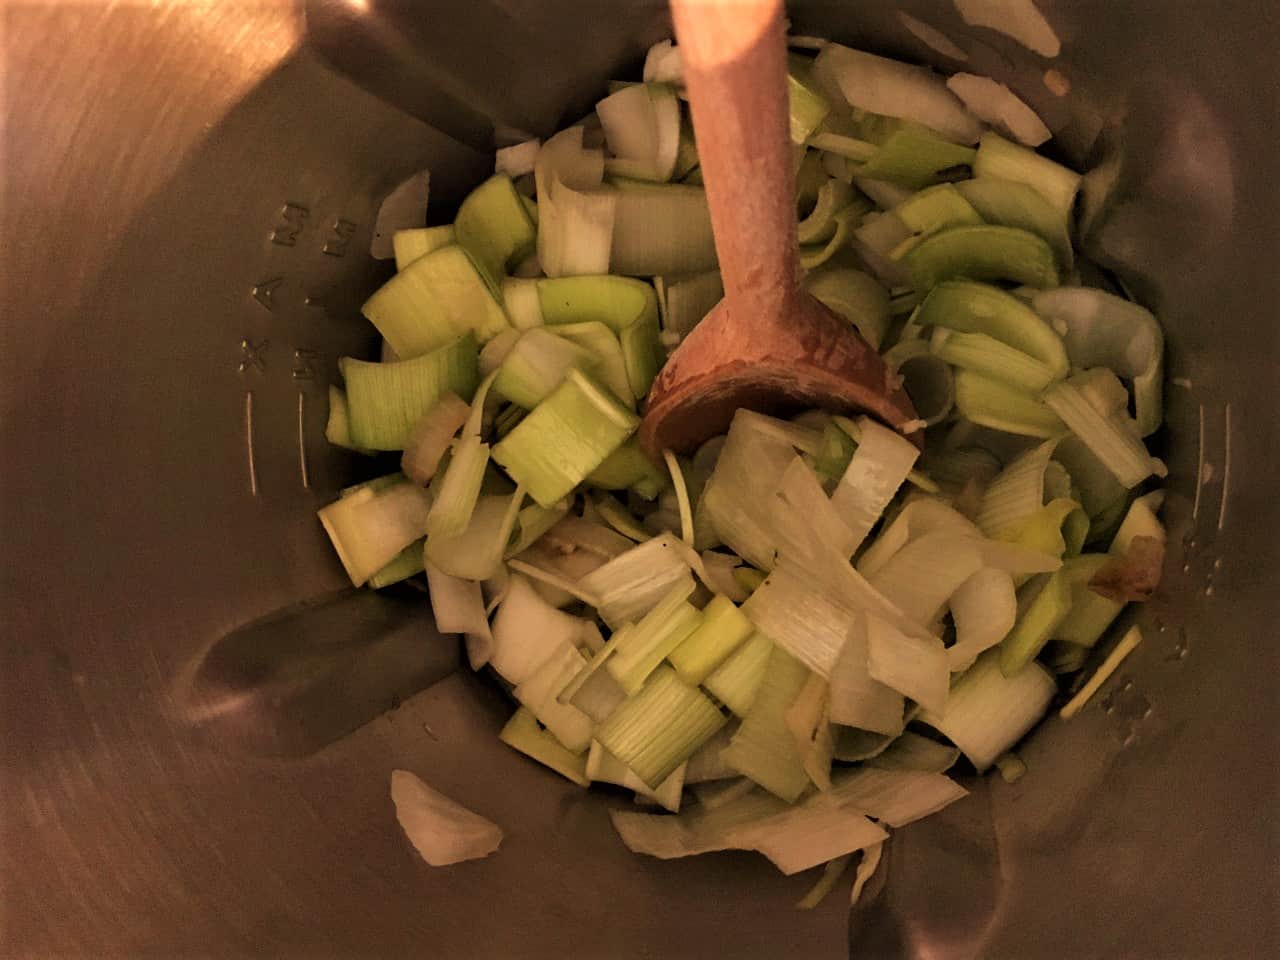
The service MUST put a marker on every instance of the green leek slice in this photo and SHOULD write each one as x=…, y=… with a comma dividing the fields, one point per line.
x=494, y=227
x=434, y=300
x=564, y=438
x=409, y=245
x=386, y=401
x=982, y=253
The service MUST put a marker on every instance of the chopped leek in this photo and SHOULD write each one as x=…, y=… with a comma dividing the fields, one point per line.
x=685, y=300
x=914, y=752
x=494, y=227
x=610, y=363
x=1018, y=492
x=982, y=253
x=432, y=301
x=517, y=159
x=816, y=254
x=642, y=128
x=523, y=733
x=604, y=767
x=977, y=307
x=984, y=609
x=458, y=607
x=575, y=221
x=820, y=225
x=527, y=631
x=521, y=299
x=996, y=404
x=764, y=749
x=896, y=89
x=385, y=401
x=632, y=584
x=476, y=552
x=566, y=436
x=409, y=245
x=1126, y=646
x=537, y=364
x=936, y=208
x=736, y=682
x=924, y=572
x=432, y=437
x=629, y=468
x=996, y=104
x=372, y=525
x=854, y=295
x=914, y=667
x=857, y=699
x=1106, y=437
x=661, y=230
x=1104, y=330
x=337, y=428
x=991, y=358
x=1001, y=159
x=640, y=647
x=876, y=470
x=808, y=107
x=660, y=727
x=1044, y=604
x=538, y=693
x=1010, y=203
x=722, y=630
x=987, y=713
x=895, y=796
x=442, y=830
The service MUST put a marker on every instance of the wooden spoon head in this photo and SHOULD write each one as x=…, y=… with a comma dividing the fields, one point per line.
x=804, y=356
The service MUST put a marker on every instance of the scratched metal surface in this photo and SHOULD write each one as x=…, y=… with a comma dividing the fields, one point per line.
x=189, y=190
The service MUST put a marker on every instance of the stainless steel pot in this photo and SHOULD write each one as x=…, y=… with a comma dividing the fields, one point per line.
x=189, y=194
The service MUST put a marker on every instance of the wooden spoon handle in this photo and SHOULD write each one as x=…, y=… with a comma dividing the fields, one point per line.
x=735, y=69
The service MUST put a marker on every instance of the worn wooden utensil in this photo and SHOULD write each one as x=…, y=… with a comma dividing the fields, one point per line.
x=768, y=345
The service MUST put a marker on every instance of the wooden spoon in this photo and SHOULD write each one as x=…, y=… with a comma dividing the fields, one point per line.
x=768, y=345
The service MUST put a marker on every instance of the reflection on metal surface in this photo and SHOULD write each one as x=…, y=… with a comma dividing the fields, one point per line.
x=1226, y=467
x=248, y=438
x=302, y=440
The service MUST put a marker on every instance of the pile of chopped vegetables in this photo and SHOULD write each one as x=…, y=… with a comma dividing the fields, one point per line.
x=785, y=639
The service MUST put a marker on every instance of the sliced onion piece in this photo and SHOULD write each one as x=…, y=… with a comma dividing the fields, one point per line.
x=443, y=831
x=999, y=106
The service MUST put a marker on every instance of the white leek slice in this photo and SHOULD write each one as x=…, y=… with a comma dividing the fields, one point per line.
x=797, y=614
x=885, y=194
x=911, y=751
x=895, y=797
x=536, y=365
x=987, y=713
x=517, y=159
x=707, y=765
x=458, y=607
x=927, y=570
x=895, y=89
x=877, y=469
x=996, y=104
x=575, y=222
x=809, y=721
x=520, y=297
x=831, y=874
x=539, y=693
x=807, y=526
x=443, y=831
x=690, y=834
x=642, y=128
x=372, y=525
x=818, y=830
x=522, y=732
x=763, y=747
x=476, y=552
x=631, y=584
x=739, y=495
x=1106, y=437
x=984, y=609
x=527, y=630
x=1102, y=330
x=858, y=700
x=915, y=667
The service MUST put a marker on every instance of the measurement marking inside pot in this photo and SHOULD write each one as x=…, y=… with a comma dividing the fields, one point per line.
x=248, y=433
x=1195, y=504
x=1226, y=467
x=302, y=440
